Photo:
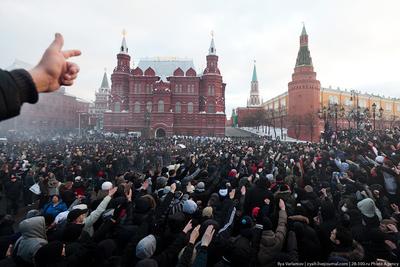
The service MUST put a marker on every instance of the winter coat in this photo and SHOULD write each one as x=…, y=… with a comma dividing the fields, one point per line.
x=13, y=190
x=33, y=237
x=16, y=87
x=95, y=215
x=54, y=210
x=256, y=195
x=271, y=242
x=353, y=254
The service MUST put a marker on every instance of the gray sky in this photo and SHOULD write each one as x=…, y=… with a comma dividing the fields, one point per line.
x=354, y=44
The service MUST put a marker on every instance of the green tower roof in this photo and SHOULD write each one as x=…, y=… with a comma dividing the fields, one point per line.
x=104, y=83
x=303, y=32
x=254, y=79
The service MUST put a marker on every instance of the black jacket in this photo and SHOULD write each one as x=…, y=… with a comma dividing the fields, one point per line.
x=16, y=88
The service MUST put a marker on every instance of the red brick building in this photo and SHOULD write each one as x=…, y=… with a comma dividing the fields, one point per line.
x=54, y=111
x=165, y=96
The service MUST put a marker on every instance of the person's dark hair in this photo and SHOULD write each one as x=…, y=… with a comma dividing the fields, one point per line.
x=344, y=236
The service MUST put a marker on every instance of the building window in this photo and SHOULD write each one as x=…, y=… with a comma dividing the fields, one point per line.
x=398, y=107
x=117, y=107
x=211, y=108
x=137, y=88
x=388, y=106
x=160, y=106
x=333, y=100
x=149, y=106
x=211, y=90
x=283, y=102
x=178, y=88
x=148, y=89
x=347, y=101
x=136, y=107
x=276, y=104
x=178, y=107
x=190, y=107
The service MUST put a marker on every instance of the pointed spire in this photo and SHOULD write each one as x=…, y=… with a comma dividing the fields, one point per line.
x=104, y=83
x=303, y=31
x=124, y=47
x=304, y=56
x=254, y=79
x=212, y=50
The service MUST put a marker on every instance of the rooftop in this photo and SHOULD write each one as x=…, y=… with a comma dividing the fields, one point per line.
x=165, y=66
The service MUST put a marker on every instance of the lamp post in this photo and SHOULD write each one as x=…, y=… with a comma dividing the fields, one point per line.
x=381, y=116
x=147, y=122
x=373, y=113
x=341, y=114
x=323, y=114
x=335, y=111
x=79, y=123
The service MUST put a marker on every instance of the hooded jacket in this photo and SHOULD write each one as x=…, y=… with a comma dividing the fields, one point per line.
x=33, y=231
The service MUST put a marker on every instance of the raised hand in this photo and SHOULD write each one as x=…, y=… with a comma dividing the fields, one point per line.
x=208, y=235
x=232, y=193
x=53, y=70
x=112, y=191
x=188, y=227
x=243, y=190
x=194, y=234
x=173, y=188
x=282, y=205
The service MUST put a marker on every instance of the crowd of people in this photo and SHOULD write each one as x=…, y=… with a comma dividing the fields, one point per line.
x=200, y=201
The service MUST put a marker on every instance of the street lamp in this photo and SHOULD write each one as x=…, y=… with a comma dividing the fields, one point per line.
x=79, y=122
x=373, y=113
x=381, y=116
x=147, y=121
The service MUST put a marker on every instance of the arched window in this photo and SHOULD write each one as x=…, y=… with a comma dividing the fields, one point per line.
x=117, y=107
x=136, y=107
x=178, y=107
x=190, y=107
x=160, y=106
x=149, y=106
x=211, y=108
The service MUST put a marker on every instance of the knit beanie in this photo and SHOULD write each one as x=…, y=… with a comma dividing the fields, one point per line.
x=189, y=206
x=200, y=187
x=106, y=186
x=146, y=247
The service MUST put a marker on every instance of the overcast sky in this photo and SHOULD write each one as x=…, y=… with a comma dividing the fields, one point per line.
x=354, y=44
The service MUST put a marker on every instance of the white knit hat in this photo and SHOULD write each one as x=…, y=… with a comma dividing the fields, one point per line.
x=106, y=186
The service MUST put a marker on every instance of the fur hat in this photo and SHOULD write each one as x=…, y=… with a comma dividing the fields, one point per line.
x=74, y=214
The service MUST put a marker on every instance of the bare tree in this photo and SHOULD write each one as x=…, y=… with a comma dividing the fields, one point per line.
x=311, y=122
x=295, y=122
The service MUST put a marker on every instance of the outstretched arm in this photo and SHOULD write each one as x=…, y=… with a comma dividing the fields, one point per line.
x=20, y=86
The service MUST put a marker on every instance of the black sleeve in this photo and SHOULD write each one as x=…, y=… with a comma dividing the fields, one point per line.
x=16, y=88
x=186, y=258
